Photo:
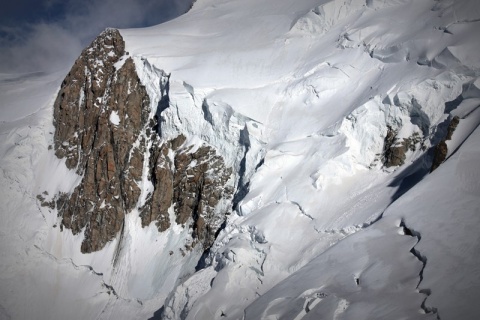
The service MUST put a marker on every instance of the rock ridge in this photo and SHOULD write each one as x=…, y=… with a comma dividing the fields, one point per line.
x=106, y=132
x=98, y=116
x=441, y=149
x=189, y=183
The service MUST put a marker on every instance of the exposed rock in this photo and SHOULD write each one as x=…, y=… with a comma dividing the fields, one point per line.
x=104, y=130
x=441, y=149
x=43, y=201
x=97, y=147
x=395, y=150
x=191, y=183
x=80, y=100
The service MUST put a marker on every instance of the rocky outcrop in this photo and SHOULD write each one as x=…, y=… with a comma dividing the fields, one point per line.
x=395, y=149
x=81, y=101
x=44, y=202
x=106, y=133
x=441, y=149
x=99, y=114
x=393, y=153
x=191, y=184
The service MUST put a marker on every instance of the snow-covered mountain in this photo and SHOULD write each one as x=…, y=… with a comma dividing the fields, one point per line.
x=275, y=159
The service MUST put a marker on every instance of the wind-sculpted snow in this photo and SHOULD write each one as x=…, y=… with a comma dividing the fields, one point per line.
x=334, y=140
x=318, y=121
x=369, y=275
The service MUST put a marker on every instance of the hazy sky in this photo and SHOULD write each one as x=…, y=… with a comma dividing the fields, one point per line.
x=48, y=35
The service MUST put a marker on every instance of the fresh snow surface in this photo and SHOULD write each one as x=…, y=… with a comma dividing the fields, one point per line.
x=114, y=118
x=297, y=96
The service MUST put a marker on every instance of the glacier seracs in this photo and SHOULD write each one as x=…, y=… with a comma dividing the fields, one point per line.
x=299, y=97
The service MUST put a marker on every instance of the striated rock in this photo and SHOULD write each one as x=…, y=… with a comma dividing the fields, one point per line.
x=441, y=149
x=104, y=129
x=78, y=104
x=395, y=150
x=393, y=153
x=191, y=183
x=99, y=115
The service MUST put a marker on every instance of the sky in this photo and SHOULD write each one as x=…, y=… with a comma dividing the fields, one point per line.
x=48, y=35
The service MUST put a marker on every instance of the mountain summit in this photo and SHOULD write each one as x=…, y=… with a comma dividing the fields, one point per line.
x=273, y=159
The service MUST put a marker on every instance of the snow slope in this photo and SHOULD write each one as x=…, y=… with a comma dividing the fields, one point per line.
x=299, y=98
x=379, y=272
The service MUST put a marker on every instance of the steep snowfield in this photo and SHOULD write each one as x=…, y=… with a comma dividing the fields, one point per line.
x=378, y=272
x=299, y=97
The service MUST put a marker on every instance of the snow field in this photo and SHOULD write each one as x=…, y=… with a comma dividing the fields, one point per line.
x=301, y=111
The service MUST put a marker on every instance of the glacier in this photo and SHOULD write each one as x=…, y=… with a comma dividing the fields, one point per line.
x=329, y=113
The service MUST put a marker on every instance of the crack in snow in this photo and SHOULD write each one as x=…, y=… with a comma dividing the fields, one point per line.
x=349, y=230
x=302, y=210
x=337, y=68
x=310, y=302
x=423, y=259
x=110, y=288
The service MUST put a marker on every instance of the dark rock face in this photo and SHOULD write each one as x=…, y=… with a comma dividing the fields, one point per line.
x=44, y=202
x=395, y=150
x=192, y=183
x=393, y=153
x=80, y=100
x=103, y=128
x=441, y=149
x=92, y=95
